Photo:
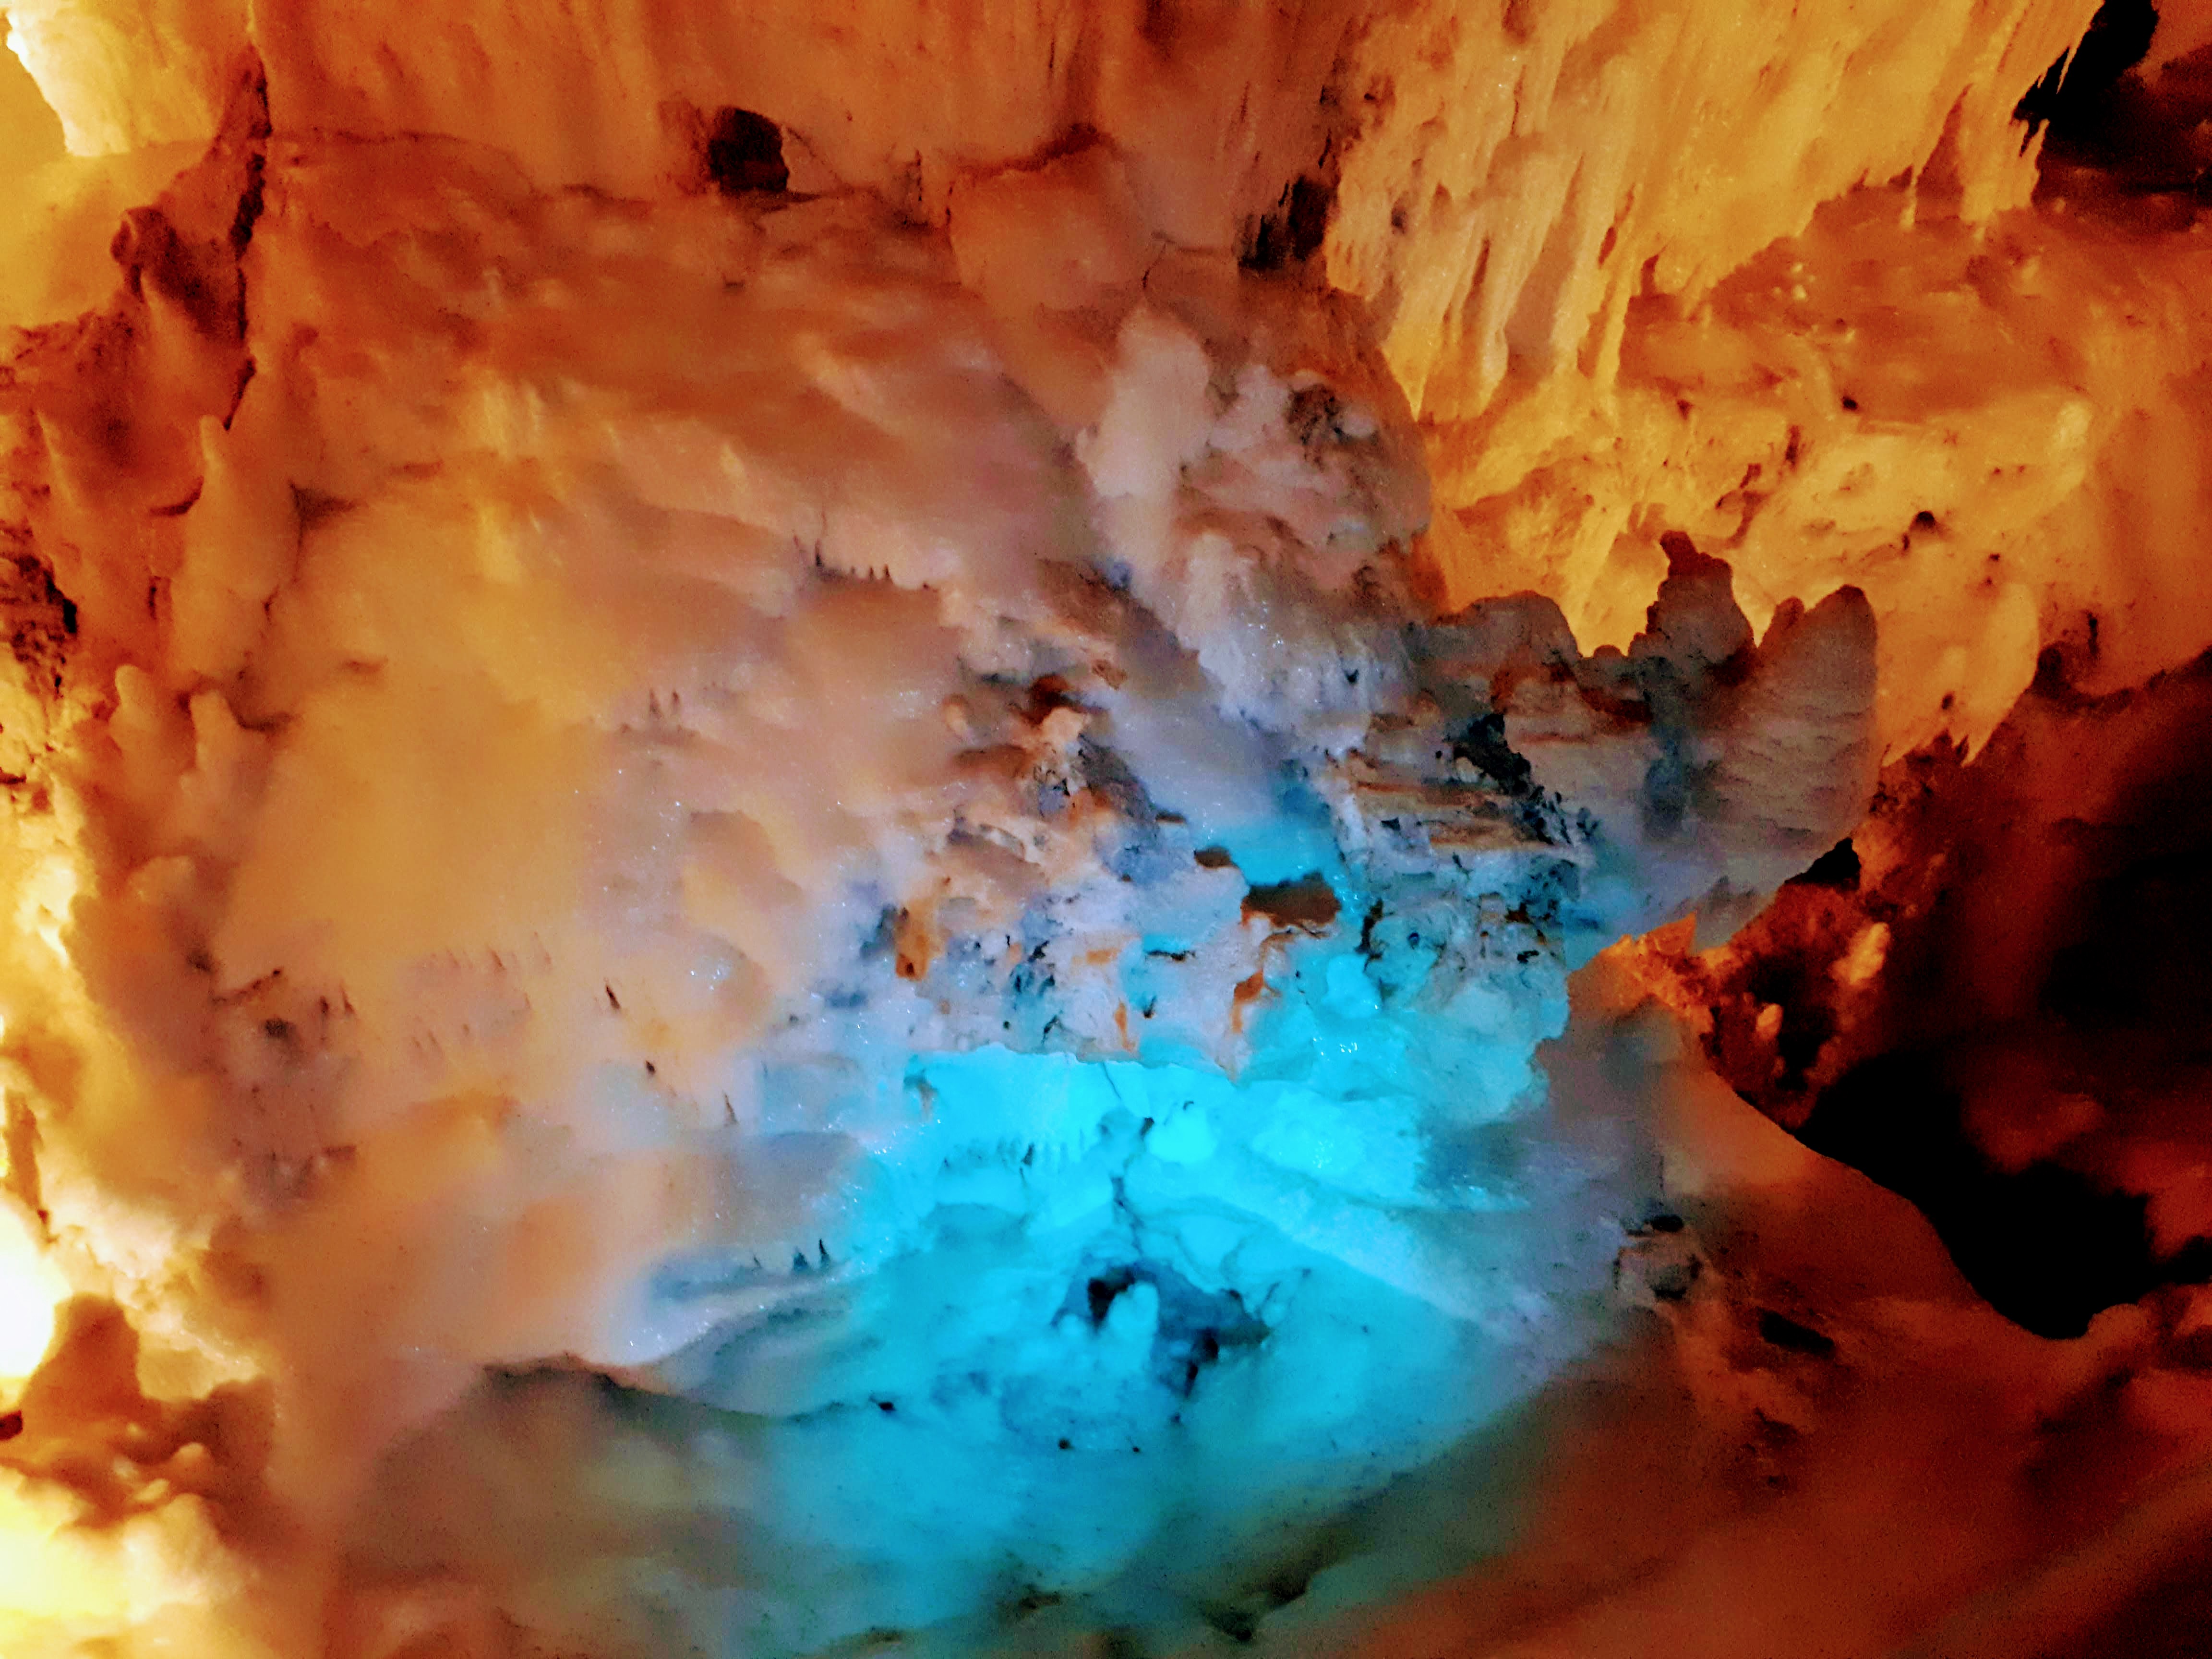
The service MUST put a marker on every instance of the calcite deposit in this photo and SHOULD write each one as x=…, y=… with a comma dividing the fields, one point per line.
x=820, y=824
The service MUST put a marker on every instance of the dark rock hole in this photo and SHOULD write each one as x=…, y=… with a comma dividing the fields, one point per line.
x=744, y=153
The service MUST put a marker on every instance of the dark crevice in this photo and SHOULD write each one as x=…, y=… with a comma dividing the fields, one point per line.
x=1292, y=233
x=1793, y=1335
x=1195, y=1328
x=1838, y=867
x=2047, y=1247
x=744, y=153
x=2124, y=144
x=2028, y=1066
x=2076, y=96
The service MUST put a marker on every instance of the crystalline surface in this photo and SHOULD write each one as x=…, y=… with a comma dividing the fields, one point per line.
x=710, y=795
x=780, y=877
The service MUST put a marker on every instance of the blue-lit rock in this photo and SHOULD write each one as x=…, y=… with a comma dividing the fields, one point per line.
x=1219, y=1190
